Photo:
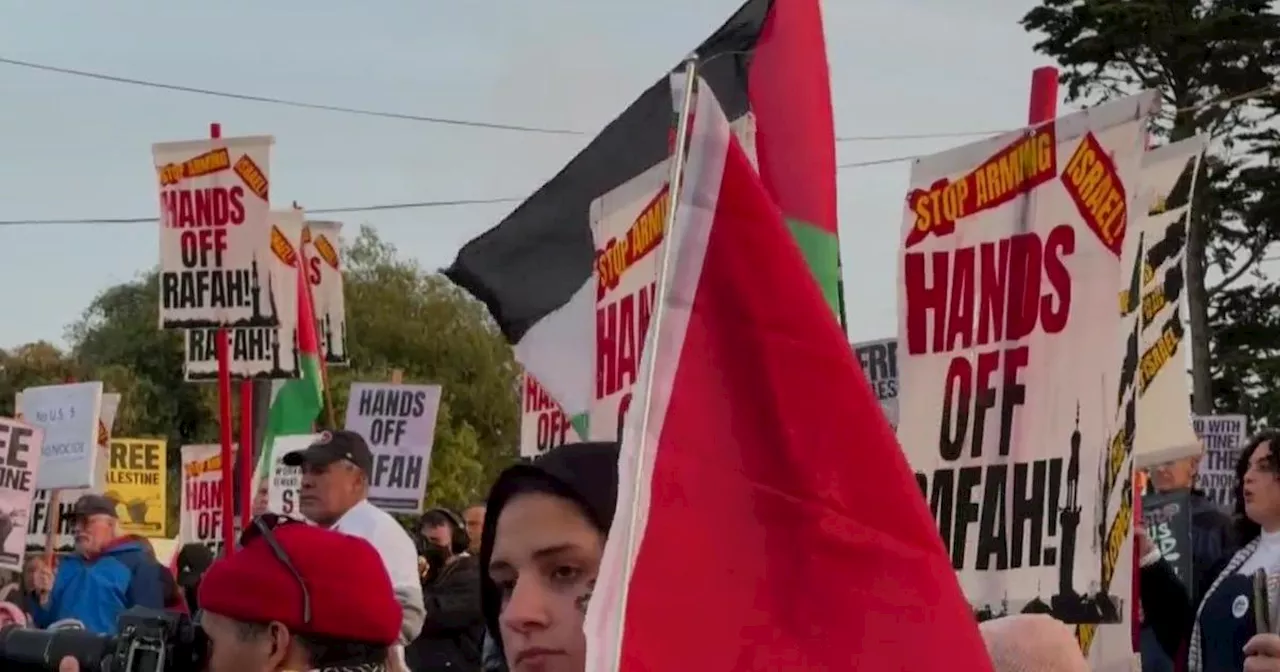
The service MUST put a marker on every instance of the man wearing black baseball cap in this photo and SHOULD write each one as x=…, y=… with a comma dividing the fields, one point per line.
x=335, y=486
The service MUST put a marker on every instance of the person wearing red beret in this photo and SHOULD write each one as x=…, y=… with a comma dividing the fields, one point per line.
x=296, y=597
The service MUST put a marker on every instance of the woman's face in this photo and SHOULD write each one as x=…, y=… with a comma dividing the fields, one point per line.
x=1262, y=488
x=546, y=555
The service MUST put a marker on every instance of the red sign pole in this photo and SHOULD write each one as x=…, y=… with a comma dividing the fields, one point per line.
x=224, y=416
x=1044, y=95
x=246, y=452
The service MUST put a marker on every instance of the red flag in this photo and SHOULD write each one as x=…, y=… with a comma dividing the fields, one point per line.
x=778, y=526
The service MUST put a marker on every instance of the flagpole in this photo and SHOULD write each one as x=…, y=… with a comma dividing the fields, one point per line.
x=674, y=190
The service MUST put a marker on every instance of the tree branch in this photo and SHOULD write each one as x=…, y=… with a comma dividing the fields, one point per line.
x=1254, y=255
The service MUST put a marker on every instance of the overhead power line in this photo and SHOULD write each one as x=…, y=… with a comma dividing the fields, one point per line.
x=413, y=205
x=448, y=121
x=317, y=211
x=1226, y=100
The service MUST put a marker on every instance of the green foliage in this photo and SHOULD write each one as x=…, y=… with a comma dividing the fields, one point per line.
x=399, y=317
x=1195, y=52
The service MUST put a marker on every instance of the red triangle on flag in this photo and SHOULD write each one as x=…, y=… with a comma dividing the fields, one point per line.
x=778, y=525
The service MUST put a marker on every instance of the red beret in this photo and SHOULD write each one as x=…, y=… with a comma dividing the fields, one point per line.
x=351, y=594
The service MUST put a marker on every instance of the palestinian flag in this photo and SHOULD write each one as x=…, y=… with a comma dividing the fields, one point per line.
x=295, y=403
x=767, y=66
x=744, y=539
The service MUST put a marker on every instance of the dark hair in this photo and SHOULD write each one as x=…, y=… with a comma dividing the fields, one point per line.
x=459, y=540
x=1245, y=529
x=323, y=652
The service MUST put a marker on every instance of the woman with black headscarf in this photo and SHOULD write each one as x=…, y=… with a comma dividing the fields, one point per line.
x=544, y=533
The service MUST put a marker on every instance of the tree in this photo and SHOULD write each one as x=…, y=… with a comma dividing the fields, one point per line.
x=31, y=365
x=398, y=317
x=1215, y=63
x=402, y=317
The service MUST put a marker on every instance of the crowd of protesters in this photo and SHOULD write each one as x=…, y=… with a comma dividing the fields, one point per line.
x=503, y=585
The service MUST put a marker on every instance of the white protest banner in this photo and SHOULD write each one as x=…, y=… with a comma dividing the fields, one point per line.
x=1223, y=437
x=214, y=198
x=1155, y=296
x=69, y=416
x=259, y=352
x=37, y=524
x=321, y=243
x=627, y=227
x=879, y=361
x=200, y=511
x=1008, y=358
x=399, y=422
x=543, y=424
x=20, y=455
x=284, y=483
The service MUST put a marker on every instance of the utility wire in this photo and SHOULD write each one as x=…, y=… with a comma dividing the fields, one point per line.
x=1229, y=100
x=448, y=121
x=319, y=211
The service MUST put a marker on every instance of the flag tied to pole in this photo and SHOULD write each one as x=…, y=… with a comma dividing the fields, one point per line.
x=776, y=523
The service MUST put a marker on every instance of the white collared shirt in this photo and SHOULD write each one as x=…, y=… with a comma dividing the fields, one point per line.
x=399, y=556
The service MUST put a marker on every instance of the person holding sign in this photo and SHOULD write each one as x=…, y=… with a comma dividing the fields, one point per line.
x=1211, y=537
x=335, y=490
x=1235, y=603
x=106, y=575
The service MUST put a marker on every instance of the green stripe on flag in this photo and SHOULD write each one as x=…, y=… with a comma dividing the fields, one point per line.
x=821, y=252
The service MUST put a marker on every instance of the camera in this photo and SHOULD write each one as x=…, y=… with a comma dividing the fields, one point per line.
x=148, y=640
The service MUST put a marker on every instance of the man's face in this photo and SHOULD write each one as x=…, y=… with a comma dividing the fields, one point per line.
x=94, y=532
x=440, y=535
x=474, y=518
x=1176, y=475
x=328, y=491
x=233, y=648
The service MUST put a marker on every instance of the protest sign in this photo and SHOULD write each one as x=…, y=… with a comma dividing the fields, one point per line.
x=543, y=424
x=284, y=482
x=200, y=510
x=269, y=352
x=399, y=422
x=1223, y=436
x=1154, y=297
x=627, y=226
x=1007, y=347
x=214, y=197
x=1167, y=519
x=137, y=483
x=320, y=241
x=879, y=361
x=19, y=464
x=68, y=414
x=38, y=524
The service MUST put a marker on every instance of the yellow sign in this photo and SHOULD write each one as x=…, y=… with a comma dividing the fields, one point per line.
x=136, y=477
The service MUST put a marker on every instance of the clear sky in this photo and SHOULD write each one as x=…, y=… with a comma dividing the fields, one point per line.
x=74, y=148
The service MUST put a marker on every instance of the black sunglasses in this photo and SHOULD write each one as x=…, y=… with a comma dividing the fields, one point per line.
x=262, y=526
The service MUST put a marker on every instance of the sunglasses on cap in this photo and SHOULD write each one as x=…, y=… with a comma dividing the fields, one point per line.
x=262, y=527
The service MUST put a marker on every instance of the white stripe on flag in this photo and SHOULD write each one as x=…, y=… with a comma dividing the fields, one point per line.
x=695, y=212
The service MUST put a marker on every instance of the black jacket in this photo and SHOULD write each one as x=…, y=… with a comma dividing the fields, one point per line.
x=453, y=631
x=1212, y=544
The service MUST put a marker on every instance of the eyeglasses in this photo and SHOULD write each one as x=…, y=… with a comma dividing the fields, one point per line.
x=262, y=526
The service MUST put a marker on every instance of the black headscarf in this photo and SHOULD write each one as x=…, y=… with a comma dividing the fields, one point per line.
x=583, y=473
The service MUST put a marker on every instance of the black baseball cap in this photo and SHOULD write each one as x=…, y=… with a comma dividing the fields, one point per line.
x=332, y=447
x=92, y=505
x=193, y=560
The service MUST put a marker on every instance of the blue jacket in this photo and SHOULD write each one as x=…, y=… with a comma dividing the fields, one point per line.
x=95, y=591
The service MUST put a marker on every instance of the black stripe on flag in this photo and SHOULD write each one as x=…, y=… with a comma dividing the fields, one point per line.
x=533, y=262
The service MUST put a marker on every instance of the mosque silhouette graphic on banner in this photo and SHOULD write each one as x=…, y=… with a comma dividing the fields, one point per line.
x=1067, y=605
